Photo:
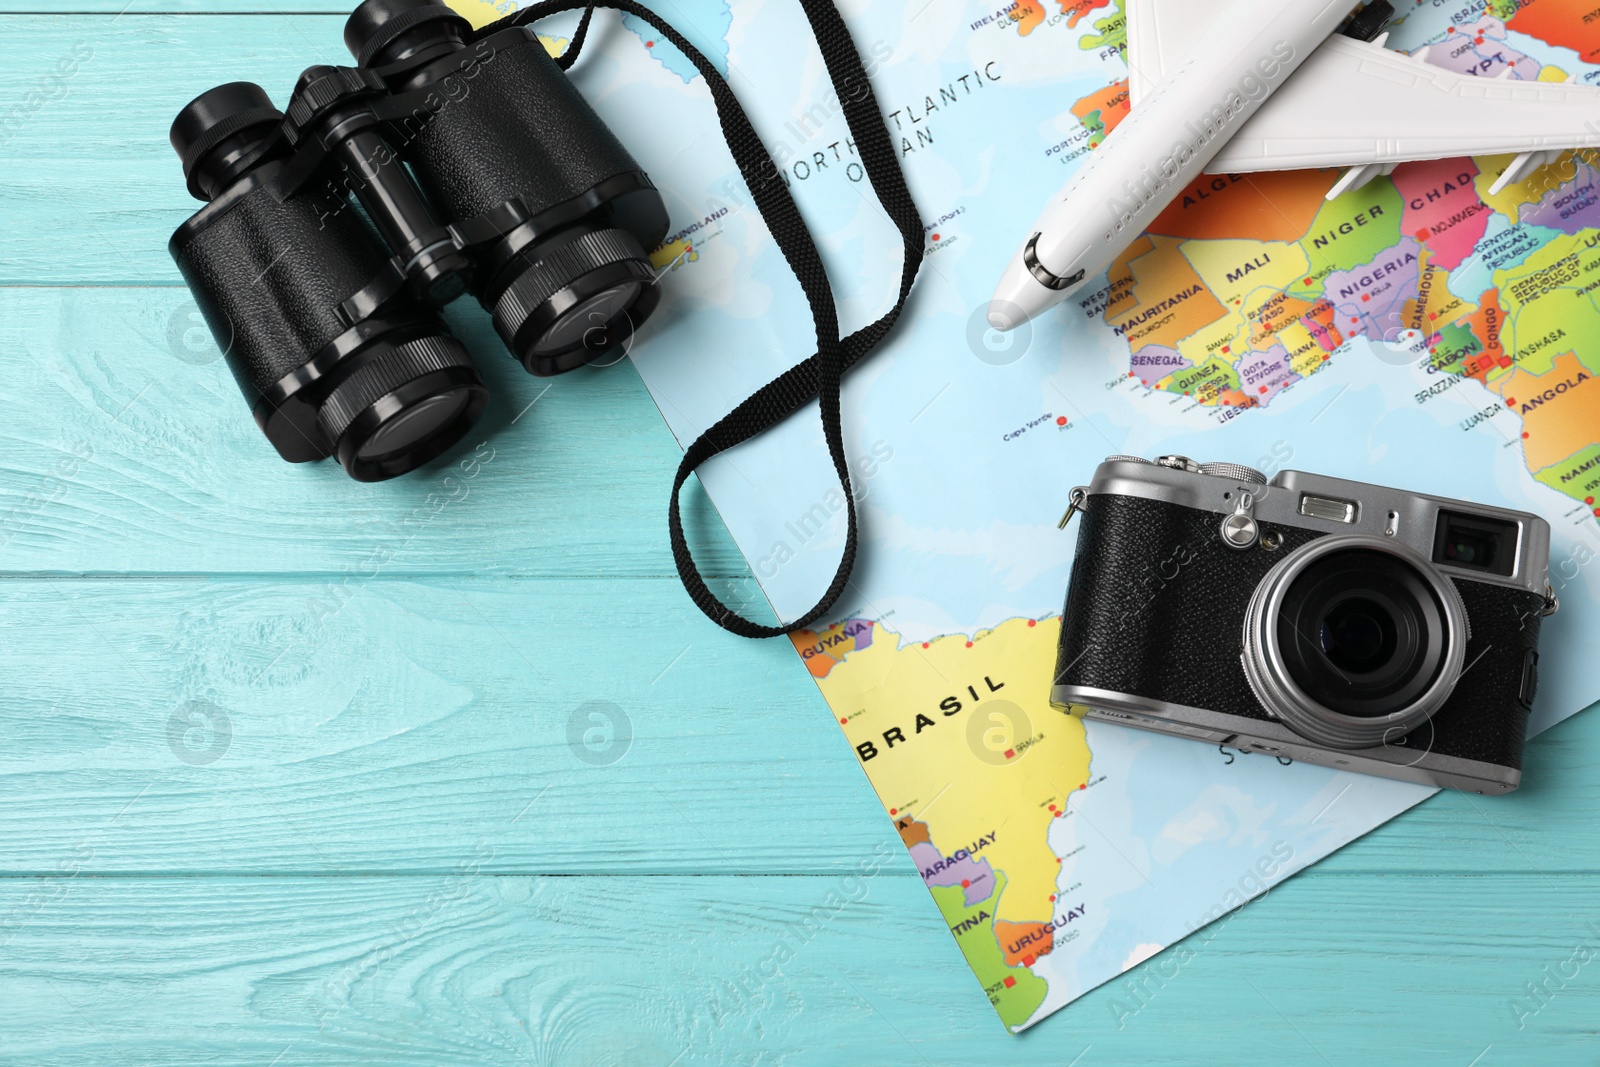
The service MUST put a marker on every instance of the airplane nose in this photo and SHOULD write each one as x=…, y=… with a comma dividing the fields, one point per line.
x=1019, y=298
x=1005, y=316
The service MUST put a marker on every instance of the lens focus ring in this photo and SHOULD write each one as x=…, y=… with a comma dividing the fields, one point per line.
x=383, y=375
x=1281, y=694
x=556, y=270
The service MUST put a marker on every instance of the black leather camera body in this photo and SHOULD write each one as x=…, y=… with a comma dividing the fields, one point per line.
x=1312, y=618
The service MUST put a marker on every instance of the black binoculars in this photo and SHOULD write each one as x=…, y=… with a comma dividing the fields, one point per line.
x=446, y=162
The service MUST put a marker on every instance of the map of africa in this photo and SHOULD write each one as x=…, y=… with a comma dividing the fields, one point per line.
x=1420, y=332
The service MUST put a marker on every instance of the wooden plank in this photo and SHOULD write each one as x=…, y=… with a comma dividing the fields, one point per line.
x=467, y=969
x=390, y=725
x=128, y=448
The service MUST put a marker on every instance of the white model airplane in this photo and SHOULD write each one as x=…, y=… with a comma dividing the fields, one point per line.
x=1240, y=86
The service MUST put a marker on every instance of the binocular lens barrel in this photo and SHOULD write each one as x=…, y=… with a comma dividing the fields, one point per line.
x=446, y=162
x=577, y=280
x=269, y=276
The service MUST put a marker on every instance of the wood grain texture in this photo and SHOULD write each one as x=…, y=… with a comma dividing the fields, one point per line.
x=464, y=969
x=409, y=844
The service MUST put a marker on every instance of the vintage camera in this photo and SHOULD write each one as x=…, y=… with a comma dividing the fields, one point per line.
x=1311, y=618
x=447, y=162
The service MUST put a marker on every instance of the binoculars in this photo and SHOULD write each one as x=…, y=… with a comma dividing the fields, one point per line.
x=333, y=232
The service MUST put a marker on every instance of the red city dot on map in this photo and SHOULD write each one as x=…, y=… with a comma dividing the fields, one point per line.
x=1033, y=622
x=1589, y=500
x=1366, y=297
x=1478, y=39
x=969, y=644
x=1422, y=235
x=1510, y=403
x=1059, y=814
x=1052, y=807
x=844, y=722
x=1597, y=512
x=1061, y=420
x=1133, y=374
x=966, y=883
x=1010, y=981
x=1450, y=29
x=924, y=644
x=1505, y=361
x=935, y=237
x=1052, y=898
x=1027, y=961
x=1226, y=349
x=1524, y=435
x=649, y=44
x=1010, y=752
x=894, y=811
x=1326, y=356
x=1085, y=785
x=1263, y=388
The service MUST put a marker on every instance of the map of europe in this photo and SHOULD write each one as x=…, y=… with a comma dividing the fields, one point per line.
x=1420, y=332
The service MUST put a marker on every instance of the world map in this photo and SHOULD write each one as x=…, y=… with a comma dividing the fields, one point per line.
x=1420, y=332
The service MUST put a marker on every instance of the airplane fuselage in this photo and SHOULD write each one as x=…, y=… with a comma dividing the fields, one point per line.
x=1161, y=147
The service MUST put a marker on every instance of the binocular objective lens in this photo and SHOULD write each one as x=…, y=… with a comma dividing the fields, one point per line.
x=413, y=425
x=589, y=324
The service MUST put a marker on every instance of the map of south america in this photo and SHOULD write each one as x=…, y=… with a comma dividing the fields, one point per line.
x=974, y=765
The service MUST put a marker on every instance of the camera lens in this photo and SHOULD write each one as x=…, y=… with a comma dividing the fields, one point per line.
x=1358, y=635
x=1354, y=640
x=572, y=297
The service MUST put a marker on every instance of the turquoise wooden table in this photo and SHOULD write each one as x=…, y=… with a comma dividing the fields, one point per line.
x=449, y=771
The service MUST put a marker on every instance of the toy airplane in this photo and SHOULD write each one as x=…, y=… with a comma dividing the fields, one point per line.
x=1240, y=86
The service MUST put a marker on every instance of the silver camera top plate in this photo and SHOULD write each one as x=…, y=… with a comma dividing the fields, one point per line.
x=1328, y=505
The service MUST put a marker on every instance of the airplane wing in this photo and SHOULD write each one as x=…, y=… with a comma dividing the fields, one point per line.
x=1360, y=105
x=1159, y=33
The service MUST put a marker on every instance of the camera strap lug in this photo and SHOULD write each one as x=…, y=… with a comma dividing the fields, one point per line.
x=1552, y=603
x=1240, y=530
x=1076, y=501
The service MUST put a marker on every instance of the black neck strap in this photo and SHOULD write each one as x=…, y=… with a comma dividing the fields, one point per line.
x=819, y=376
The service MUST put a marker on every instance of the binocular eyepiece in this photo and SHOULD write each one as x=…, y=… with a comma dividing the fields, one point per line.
x=334, y=231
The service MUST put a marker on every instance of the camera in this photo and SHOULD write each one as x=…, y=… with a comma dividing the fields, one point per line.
x=447, y=162
x=1309, y=618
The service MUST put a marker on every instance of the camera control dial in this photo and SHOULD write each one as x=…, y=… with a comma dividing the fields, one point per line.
x=1235, y=471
